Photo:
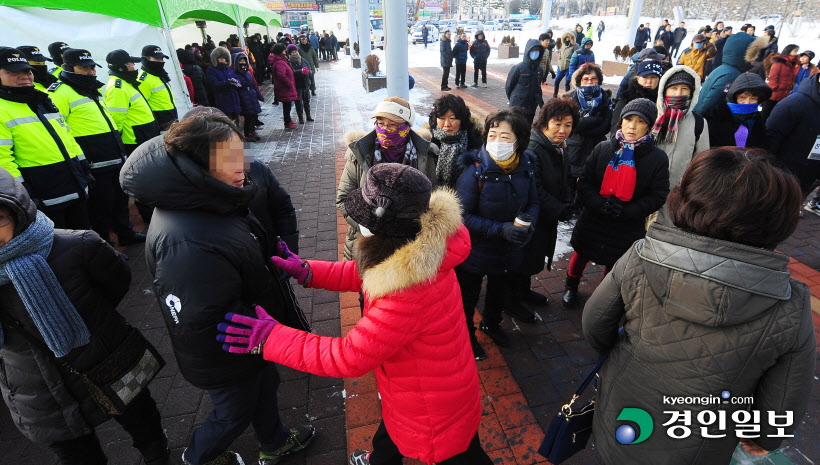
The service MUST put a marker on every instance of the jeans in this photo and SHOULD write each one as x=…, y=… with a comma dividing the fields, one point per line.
x=140, y=420
x=461, y=73
x=445, y=77
x=498, y=286
x=108, y=206
x=252, y=401
x=480, y=66
x=557, y=84
x=385, y=452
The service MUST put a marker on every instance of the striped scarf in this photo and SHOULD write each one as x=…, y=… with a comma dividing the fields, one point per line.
x=620, y=174
x=665, y=130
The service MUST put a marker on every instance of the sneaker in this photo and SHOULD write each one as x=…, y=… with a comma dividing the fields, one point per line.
x=475, y=84
x=485, y=85
x=445, y=89
x=497, y=335
x=291, y=125
x=299, y=438
x=226, y=458
x=813, y=207
x=359, y=457
x=463, y=86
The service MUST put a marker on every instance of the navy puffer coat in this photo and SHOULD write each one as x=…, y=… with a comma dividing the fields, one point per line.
x=490, y=198
x=226, y=97
x=249, y=95
x=524, y=81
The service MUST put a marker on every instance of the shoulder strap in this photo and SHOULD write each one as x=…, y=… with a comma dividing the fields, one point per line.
x=590, y=376
x=698, y=125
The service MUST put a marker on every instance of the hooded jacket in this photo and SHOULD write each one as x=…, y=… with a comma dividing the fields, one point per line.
x=460, y=50
x=46, y=401
x=604, y=239
x=412, y=335
x=687, y=144
x=565, y=51
x=284, y=83
x=690, y=329
x=792, y=130
x=551, y=174
x=738, y=53
x=781, y=76
x=524, y=80
x=695, y=59
x=226, y=96
x=207, y=256
x=581, y=56
x=445, y=52
x=359, y=158
x=546, y=58
x=249, y=95
x=490, y=198
x=480, y=50
x=641, y=36
x=589, y=131
x=723, y=125
x=191, y=69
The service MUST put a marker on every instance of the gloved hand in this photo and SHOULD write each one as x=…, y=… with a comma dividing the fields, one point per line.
x=245, y=334
x=292, y=264
x=235, y=82
x=566, y=213
x=513, y=234
x=612, y=207
x=305, y=70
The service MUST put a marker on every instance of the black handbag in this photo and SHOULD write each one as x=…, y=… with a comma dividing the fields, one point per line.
x=569, y=431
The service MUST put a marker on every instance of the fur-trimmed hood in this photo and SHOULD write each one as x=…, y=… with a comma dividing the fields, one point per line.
x=665, y=79
x=570, y=36
x=753, y=49
x=220, y=52
x=440, y=245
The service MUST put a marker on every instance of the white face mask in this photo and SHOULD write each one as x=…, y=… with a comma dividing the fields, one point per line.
x=501, y=151
x=365, y=232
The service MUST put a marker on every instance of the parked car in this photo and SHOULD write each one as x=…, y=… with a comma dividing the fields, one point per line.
x=432, y=32
x=516, y=25
x=472, y=27
x=492, y=25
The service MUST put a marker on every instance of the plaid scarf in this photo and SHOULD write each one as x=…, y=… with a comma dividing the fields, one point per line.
x=620, y=174
x=665, y=130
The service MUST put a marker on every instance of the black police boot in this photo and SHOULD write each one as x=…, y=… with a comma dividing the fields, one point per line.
x=571, y=294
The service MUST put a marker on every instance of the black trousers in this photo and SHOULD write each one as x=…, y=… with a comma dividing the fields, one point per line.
x=141, y=421
x=673, y=51
x=108, y=206
x=498, y=286
x=250, y=123
x=312, y=82
x=445, y=77
x=461, y=73
x=70, y=215
x=480, y=66
x=303, y=104
x=286, y=106
x=385, y=452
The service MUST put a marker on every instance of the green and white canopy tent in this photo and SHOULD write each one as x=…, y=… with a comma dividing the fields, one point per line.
x=101, y=26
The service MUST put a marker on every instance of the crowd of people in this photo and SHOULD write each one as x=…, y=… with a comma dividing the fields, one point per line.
x=683, y=166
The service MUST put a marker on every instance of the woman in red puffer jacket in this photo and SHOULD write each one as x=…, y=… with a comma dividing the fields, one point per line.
x=284, y=84
x=781, y=76
x=412, y=334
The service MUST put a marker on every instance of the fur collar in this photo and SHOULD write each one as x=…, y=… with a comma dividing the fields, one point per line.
x=755, y=47
x=419, y=260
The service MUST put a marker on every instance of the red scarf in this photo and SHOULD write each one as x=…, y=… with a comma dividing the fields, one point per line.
x=620, y=174
x=665, y=130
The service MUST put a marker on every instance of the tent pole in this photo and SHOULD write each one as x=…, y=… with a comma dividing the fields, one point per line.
x=239, y=30
x=172, y=52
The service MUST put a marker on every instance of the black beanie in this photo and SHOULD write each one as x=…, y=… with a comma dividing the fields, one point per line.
x=642, y=107
x=681, y=77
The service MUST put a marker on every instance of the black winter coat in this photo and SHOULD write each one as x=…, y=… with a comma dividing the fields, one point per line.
x=490, y=198
x=604, y=239
x=446, y=53
x=723, y=126
x=553, y=197
x=273, y=208
x=792, y=129
x=301, y=80
x=524, y=80
x=193, y=71
x=739, y=324
x=641, y=36
x=48, y=403
x=589, y=131
x=480, y=50
x=208, y=256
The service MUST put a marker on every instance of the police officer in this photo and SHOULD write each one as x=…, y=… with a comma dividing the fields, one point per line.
x=128, y=108
x=55, y=49
x=42, y=78
x=155, y=86
x=36, y=147
x=77, y=96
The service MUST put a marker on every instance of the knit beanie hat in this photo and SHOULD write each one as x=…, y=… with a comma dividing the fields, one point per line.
x=649, y=67
x=291, y=48
x=681, y=77
x=642, y=107
x=395, y=109
x=391, y=200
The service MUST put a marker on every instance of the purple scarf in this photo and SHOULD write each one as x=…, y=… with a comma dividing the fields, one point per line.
x=394, y=143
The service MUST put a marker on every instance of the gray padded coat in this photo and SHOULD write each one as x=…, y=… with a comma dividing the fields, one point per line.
x=700, y=316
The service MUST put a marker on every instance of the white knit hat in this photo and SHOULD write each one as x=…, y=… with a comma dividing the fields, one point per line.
x=396, y=109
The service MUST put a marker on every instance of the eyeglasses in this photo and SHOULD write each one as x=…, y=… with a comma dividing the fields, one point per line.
x=5, y=220
x=387, y=124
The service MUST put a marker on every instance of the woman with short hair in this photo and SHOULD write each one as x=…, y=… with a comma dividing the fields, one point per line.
x=454, y=131
x=707, y=306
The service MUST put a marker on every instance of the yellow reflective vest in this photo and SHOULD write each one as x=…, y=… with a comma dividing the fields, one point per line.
x=91, y=126
x=37, y=149
x=130, y=112
x=160, y=98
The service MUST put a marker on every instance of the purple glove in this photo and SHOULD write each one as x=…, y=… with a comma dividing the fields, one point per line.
x=246, y=334
x=292, y=264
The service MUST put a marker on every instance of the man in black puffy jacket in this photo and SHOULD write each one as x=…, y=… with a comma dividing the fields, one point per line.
x=524, y=80
x=209, y=256
x=480, y=51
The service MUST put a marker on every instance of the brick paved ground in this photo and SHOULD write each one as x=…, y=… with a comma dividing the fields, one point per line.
x=522, y=386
